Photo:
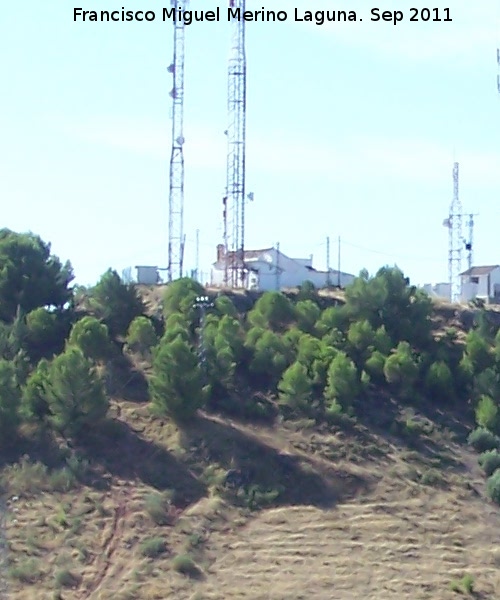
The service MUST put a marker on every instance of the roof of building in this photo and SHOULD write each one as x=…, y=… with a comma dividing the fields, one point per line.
x=233, y=259
x=480, y=270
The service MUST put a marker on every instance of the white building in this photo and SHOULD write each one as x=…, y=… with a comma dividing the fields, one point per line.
x=438, y=290
x=270, y=269
x=480, y=282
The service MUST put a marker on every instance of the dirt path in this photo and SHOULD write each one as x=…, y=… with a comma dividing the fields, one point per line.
x=110, y=545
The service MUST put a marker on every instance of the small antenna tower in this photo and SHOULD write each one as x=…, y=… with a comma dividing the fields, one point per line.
x=455, y=239
x=176, y=190
x=236, y=140
x=468, y=244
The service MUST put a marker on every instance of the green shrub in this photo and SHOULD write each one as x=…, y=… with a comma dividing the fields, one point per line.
x=35, y=404
x=75, y=393
x=295, y=388
x=375, y=367
x=439, y=381
x=65, y=578
x=464, y=586
x=432, y=477
x=489, y=461
x=272, y=310
x=10, y=400
x=27, y=572
x=153, y=547
x=493, y=487
x=401, y=370
x=26, y=478
x=115, y=302
x=343, y=382
x=185, y=564
x=487, y=413
x=141, y=336
x=91, y=336
x=468, y=583
x=482, y=440
x=176, y=384
x=158, y=508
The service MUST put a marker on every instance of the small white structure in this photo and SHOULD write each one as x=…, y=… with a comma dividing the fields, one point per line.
x=438, y=290
x=148, y=275
x=269, y=269
x=480, y=282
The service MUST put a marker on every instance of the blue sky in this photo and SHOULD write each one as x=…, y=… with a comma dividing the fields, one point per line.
x=352, y=130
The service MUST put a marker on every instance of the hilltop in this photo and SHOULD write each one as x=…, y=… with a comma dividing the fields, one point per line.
x=304, y=444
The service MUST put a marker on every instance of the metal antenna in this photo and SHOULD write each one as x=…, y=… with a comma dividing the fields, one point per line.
x=176, y=192
x=236, y=140
x=498, y=76
x=455, y=243
x=469, y=244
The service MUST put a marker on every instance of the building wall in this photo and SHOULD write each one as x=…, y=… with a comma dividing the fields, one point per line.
x=438, y=290
x=294, y=272
x=147, y=275
x=495, y=284
x=485, y=288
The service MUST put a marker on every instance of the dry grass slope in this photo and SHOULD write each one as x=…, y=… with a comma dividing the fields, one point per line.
x=359, y=515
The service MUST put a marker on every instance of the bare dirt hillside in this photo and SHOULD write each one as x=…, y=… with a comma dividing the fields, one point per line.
x=342, y=513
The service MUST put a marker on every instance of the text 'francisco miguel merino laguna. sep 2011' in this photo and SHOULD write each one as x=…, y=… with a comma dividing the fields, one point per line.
x=318, y=17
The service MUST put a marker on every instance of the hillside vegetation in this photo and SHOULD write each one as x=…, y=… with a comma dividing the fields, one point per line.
x=298, y=445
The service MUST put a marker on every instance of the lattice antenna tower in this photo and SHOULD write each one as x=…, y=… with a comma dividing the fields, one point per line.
x=176, y=190
x=236, y=146
x=455, y=239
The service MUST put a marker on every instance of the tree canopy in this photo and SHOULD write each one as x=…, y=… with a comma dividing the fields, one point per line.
x=30, y=276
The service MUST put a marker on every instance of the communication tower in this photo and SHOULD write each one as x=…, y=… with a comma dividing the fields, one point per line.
x=176, y=238
x=455, y=239
x=234, y=200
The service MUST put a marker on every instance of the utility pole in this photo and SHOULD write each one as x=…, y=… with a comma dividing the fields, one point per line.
x=278, y=269
x=328, y=278
x=197, y=255
x=498, y=76
x=236, y=140
x=176, y=186
x=338, y=266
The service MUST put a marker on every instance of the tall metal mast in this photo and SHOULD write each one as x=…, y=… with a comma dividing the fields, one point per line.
x=236, y=140
x=176, y=192
x=455, y=240
x=498, y=76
